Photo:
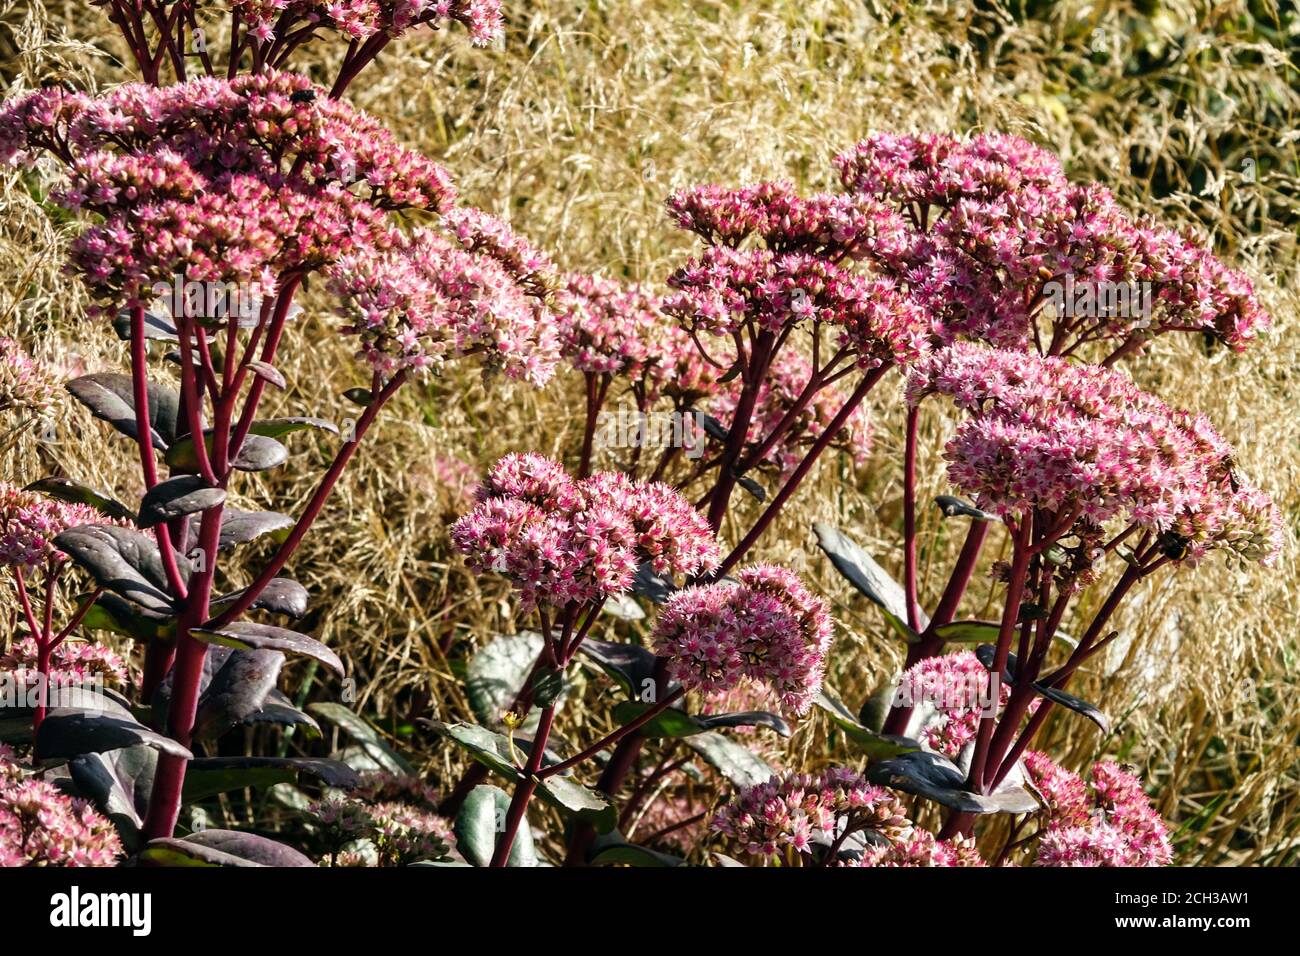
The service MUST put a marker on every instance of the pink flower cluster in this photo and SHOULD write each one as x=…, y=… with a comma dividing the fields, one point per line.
x=25, y=384
x=1115, y=825
x=29, y=522
x=72, y=663
x=993, y=219
x=724, y=289
x=782, y=813
x=826, y=225
x=40, y=826
x=609, y=327
x=388, y=820
x=249, y=180
x=1085, y=441
x=425, y=298
x=561, y=540
x=235, y=181
x=362, y=19
x=787, y=378
x=766, y=627
x=919, y=848
x=956, y=687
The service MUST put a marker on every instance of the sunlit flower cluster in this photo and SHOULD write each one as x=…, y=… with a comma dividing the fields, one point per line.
x=362, y=19
x=766, y=627
x=724, y=288
x=789, y=376
x=993, y=219
x=953, y=690
x=424, y=299
x=1113, y=825
x=609, y=327
x=561, y=540
x=234, y=181
x=919, y=848
x=25, y=384
x=40, y=826
x=29, y=522
x=72, y=663
x=1085, y=441
x=782, y=815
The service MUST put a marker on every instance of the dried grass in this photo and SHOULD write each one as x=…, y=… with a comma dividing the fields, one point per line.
x=577, y=128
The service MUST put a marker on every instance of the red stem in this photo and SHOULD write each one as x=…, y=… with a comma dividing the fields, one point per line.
x=810, y=458
x=909, y=519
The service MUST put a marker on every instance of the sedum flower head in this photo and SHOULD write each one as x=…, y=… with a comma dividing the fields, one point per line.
x=955, y=685
x=424, y=298
x=562, y=540
x=1110, y=824
x=767, y=819
x=992, y=219
x=72, y=663
x=362, y=19
x=766, y=628
x=920, y=848
x=29, y=522
x=40, y=826
x=25, y=384
x=1046, y=433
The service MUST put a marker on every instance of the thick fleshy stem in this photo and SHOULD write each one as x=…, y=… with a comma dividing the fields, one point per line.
x=1082, y=651
x=1010, y=618
x=760, y=355
x=909, y=519
x=525, y=789
x=535, y=774
x=792, y=483
x=931, y=644
x=169, y=777
x=314, y=505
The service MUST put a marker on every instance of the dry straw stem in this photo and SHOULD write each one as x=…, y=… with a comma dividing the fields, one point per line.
x=577, y=127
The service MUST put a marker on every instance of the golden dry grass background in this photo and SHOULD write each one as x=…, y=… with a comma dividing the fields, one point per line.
x=576, y=128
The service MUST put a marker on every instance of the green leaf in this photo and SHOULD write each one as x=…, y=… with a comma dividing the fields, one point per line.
x=279, y=427
x=565, y=793
x=364, y=734
x=613, y=848
x=969, y=632
x=258, y=453
x=874, y=745
x=222, y=848
x=493, y=751
x=113, y=613
x=177, y=497
x=672, y=722
x=65, y=489
x=206, y=777
x=477, y=830
x=734, y=761
x=110, y=397
x=862, y=571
